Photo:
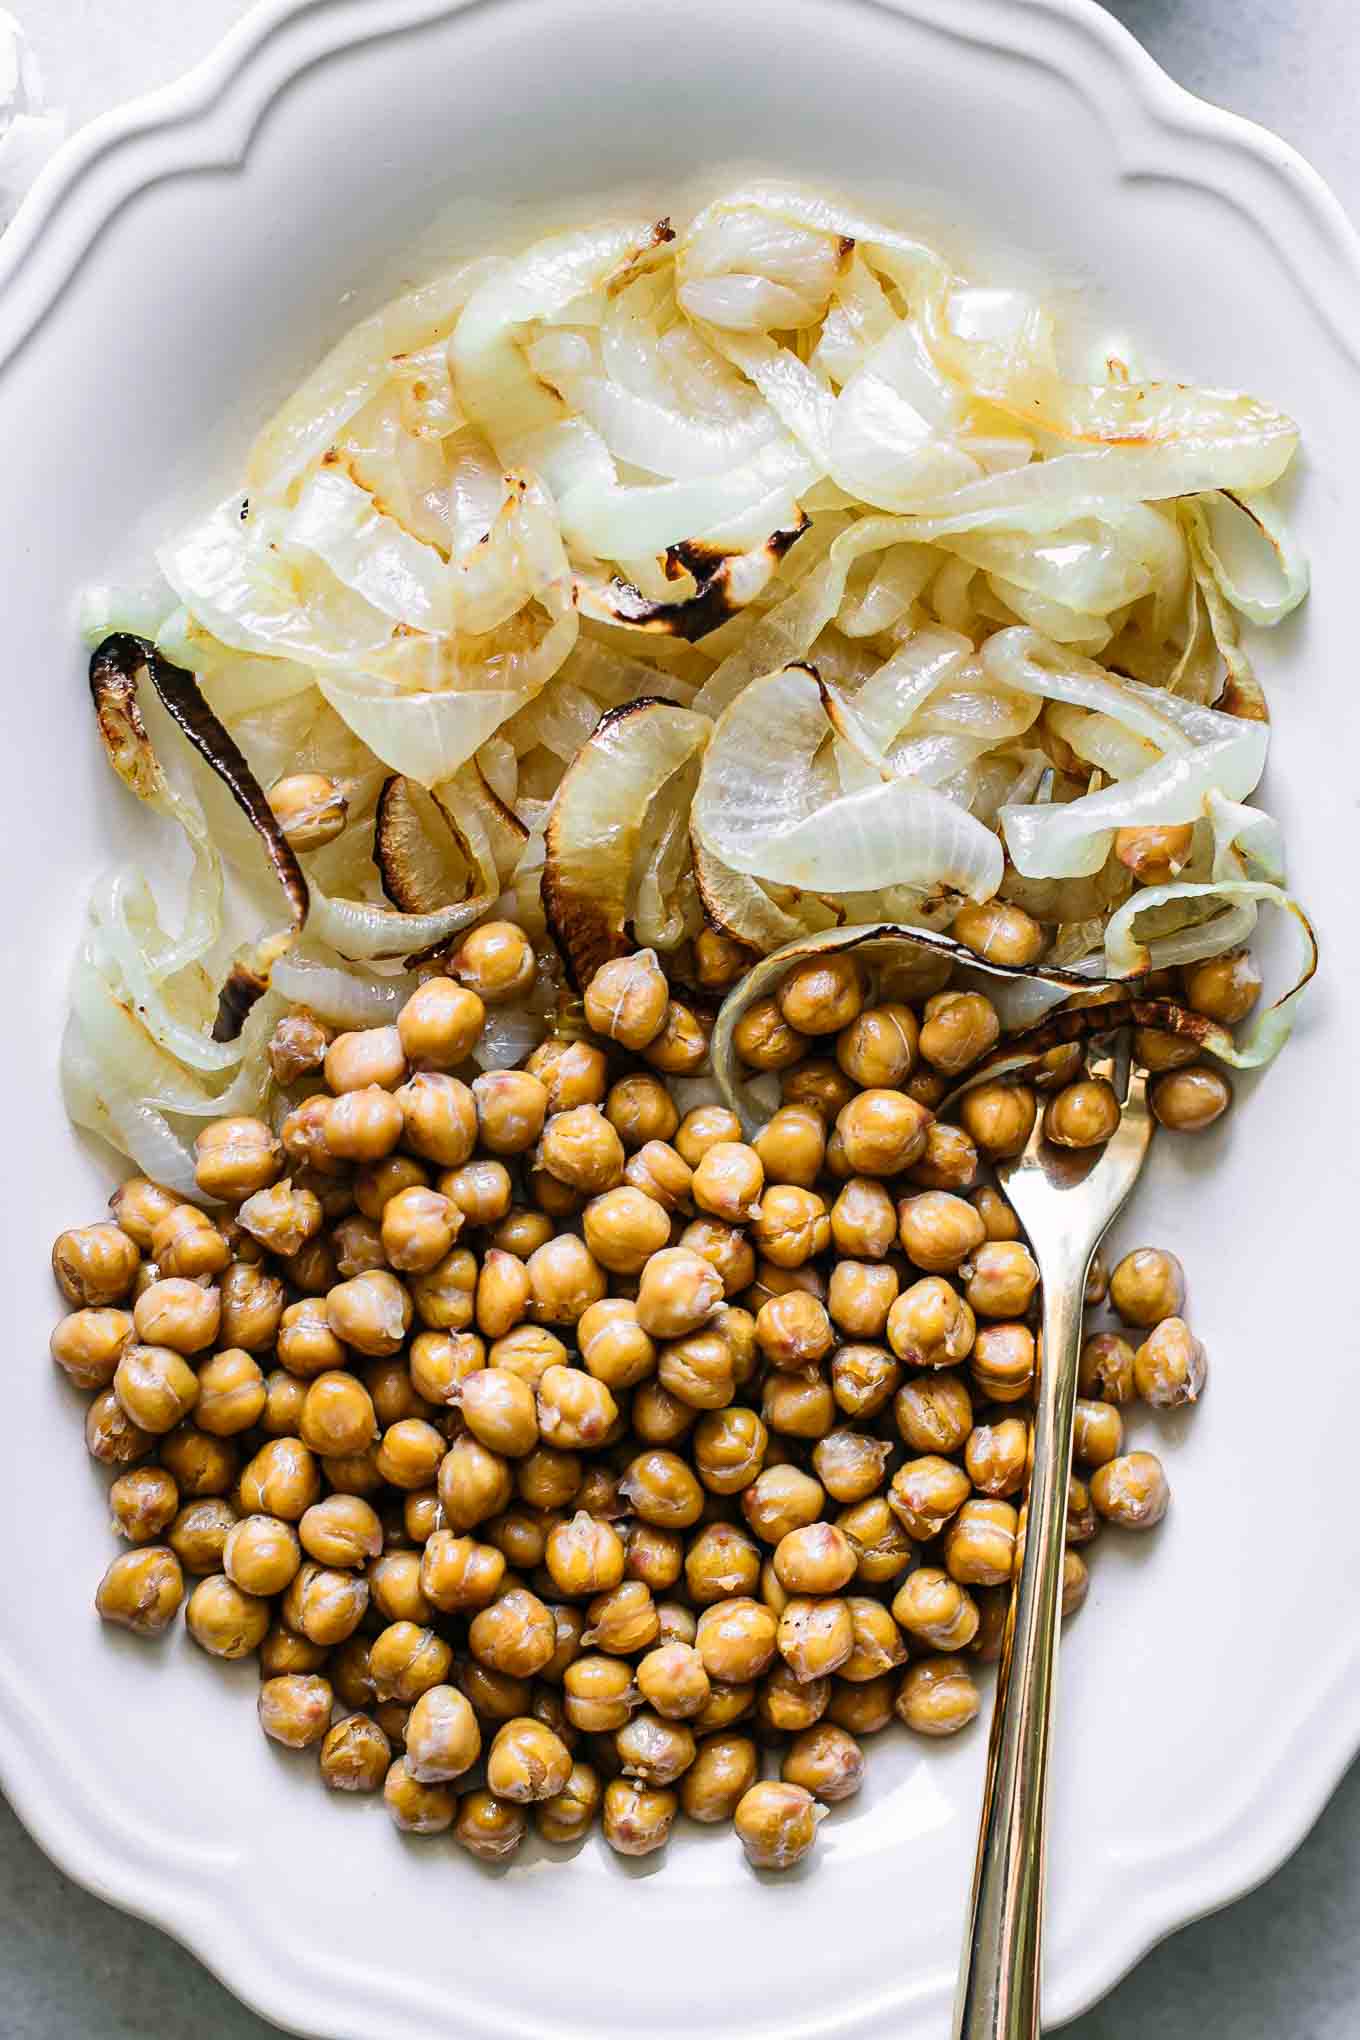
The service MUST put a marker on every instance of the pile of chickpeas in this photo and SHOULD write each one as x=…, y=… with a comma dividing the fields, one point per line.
x=558, y=1455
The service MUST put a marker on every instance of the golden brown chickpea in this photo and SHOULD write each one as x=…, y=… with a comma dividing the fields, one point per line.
x=143, y=1502
x=573, y=1072
x=231, y=1393
x=370, y=1312
x=1001, y=1279
x=791, y=1147
x=570, y=1626
x=584, y=1556
x=457, y=1574
x=252, y=1308
x=654, y=1750
x=1188, y=1100
x=440, y=1024
x=498, y=1409
x=201, y=1465
x=722, y=1563
x=261, y=1555
x=305, y=1138
x=310, y=809
x=728, y=1179
x=283, y=1479
x=949, y=1161
x=574, y=1411
x=1154, y=854
x=1082, y=1115
x=736, y=1640
x=223, y=1620
x=155, y=1387
x=729, y=1449
x=926, y=1493
x=640, y=1108
x=861, y=1709
x=297, y=1046
x=1098, y=1432
x=798, y=1406
x=826, y=1761
x=849, y=1465
x=88, y=1345
x=622, y=1621
x=564, y=1279
x=357, y=1245
x=443, y=1297
x=234, y=1158
x=1105, y=1369
x=765, y=1040
x=1169, y=1367
x=814, y=1559
x=627, y=998
x=614, y=1347
x=996, y=1214
x=997, y=1456
x=391, y=1717
x=433, y=1373
x=395, y=1590
x=680, y=1049
x=306, y=1345
x=878, y=1049
x=411, y=1451
x=704, y=1128
x=999, y=932
x=677, y=1624
x=958, y=1029
x=782, y=1499
x=979, y=1545
x=1076, y=1582
x=820, y=1085
x=1148, y=1285
x=496, y=961
x=725, y=1767
x=673, y=1681
x=511, y=1107
x=881, y=1546
x=816, y=1636
x=726, y=1705
x=931, y=1606
x=141, y=1590
x=482, y=1191
x=1131, y=1491
x=938, y=1230
x=342, y=1530
x=930, y=1325
x=418, y=1227
x=637, y=1818
x=652, y=1555
x=439, y=1115
x=474, y=1483
x=719, y=960
x=373, y=1055
x=725, y=1247
x=295, y=1709
x=526, y=1762
x=346, y=1667
x=1004, y=1362
x=776, y=1824
x=824, y=995
x=139, y=1206
x=362, y=1126
x=338, y=1415
x=859, y=1297
x=698, y=1370
x=417, y=1809
x=1155, y=1049
x=785, y=1704
x=95, y=1265
x=927, y=1087
x=934, y=1413
x=1224, y=987
x=198, y=1535
x=355, y=1755
x=793, y=1225
x=664, y=1175
x=581, y=1149
x=516, y=1634
x=489, y=1828
x=324, y=1603
x=999, y=1117
x=679, y=1291
x=878, y=1645
x=598, y=1694
x=406, y=1661
x=794, y=1331
x=938, y=1696
x=882, y=1132
x=624, y=1228
x=863, y=1378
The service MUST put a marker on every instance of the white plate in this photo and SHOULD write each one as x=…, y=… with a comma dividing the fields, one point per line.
x=181, y=264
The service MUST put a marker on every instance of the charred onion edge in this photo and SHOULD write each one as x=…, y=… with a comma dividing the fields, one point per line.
x=718, y=591
x=397, y=882
x=115, y=666
x=584, y=938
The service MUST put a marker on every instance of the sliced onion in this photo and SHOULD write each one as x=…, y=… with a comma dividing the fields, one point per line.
x=344, y=998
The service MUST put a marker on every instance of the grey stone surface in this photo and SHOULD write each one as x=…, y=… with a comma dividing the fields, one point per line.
x=1284, y=1963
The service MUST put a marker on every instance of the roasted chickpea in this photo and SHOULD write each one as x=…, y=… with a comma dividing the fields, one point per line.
x=574, y=1411
x=938, y=1696
x=863, y=1378
x=878, y=1048
x=283, y=1479
x=859, y=1296
x=878, y=1645
x=224, y=1621
x=925, y=1493
x=640, y=1109
x=357, y=1245
x=570, y=1626
x=489, y=1828
x=794, y=1331
x=997, y=1456
x=938, y=1230
x=187, y=1243
x=370, y=1312
x=798, y=1405
x=930, y=1325
x=261, y=1555
x=313, y=1268
x=355, y=1755
x=417, y=1809
x=443, y=1297
x=1188, y=1100
x=295, y=1709
x=820, y=1085
x=791, y=1147
x=728, y=1179
x=719, y=960
x=1001, y=1279
x=849, y=1465
x=584, y=1555
x=931, y=1606
x=816, y=1559
x=252, y=1308
x=406, y=1660
x=934, y=1413
x=338, y=1415
x=155, y=1387
x=793, y=1225
x=598, y=1694
x=437, y=1365
x=678, y=1293
x=394, y=1587
x=999, y=932
x=948, y=1162
x=581, y=1149
x=1082, y=1115
x=958, y=1029
x=765, y=1040
x=824, y=995
x=569, y=1814
x=664, y=1175
x=88, y=1345
x=564, y=1280
x=410, y=1452
x=1097, y=1433
x=861, y=1709
x=527, y=1761
x=198, y=1535
x=999, y=1117
x=142, y=1503
x=1105, y=1370
x=141, y=1590
x=681, y=1046
x=201, y=1465
x=652, y=1555
x=1147, y=1286
x=440, y=1024
x=325, y=1603
x=139, y=1206
x=233, y=1158
x=95, y=1265
x=658, y=1417
x=729, y=1449
x=698, y=1370
x=496, y=961
x=826, y=1761
x=624, y=1228
x=1154, y=853
x=1004, y=1360
x=676, y=1623
x=725, y=1247
x=998, y=1218
x=1131, y=1491
x=457, y=1574
x=736, y=1639
x=372, y=1055
x=1169, y=1367
x=637, y=1818
x=482, y=1191
x=726, y=1705
x=673, y=1681
x=782, y=1499
x=654, y=1749
x=725, y=1768
x=979, y=1545
x=342, y=1530
x=881, y=1546
x=1155, y=1049
x=573, y=1072
x=439, y=1116
x=722, y=1563
x=1224, y=987
x=627, y=999
x=623, y=1620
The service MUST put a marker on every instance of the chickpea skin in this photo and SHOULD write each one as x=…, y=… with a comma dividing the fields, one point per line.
x=1188, y=1100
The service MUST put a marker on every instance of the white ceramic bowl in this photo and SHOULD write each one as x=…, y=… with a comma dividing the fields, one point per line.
x=177, y=268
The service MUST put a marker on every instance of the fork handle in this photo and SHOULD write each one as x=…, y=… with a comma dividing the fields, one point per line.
x=998, y=1993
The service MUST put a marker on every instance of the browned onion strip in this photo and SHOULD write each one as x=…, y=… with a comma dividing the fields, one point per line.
x=115, y=667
